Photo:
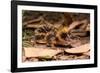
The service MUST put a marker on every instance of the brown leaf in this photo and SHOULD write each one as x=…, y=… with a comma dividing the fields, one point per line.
x=79, y=49
x=40, y=52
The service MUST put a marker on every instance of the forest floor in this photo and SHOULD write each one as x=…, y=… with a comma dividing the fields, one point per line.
x=49, y=36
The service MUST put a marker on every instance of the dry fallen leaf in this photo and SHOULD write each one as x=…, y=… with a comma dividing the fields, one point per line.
x=40, y=52
x=81, y=49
